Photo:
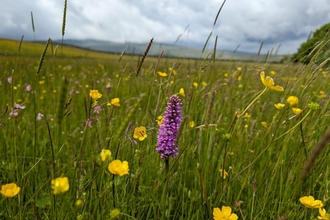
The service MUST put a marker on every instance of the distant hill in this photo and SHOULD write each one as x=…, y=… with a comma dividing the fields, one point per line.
x=14, y=47
x=170, y=50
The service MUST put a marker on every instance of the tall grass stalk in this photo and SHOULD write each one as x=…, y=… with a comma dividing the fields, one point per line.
x=33, y=28
x=42, y=57
x=316, y=151
x=64, y=22
x=143, y=57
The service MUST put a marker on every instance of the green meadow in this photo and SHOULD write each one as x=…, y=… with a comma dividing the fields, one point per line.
x=238, y=147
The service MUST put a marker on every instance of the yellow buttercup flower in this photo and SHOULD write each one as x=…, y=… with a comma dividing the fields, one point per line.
x=224, y=214
x=191, y=124
x=78, y=203
x=115, y=102
x=279, y=105
x=269, y=82
x=223, y=173
x=114, y=213
x=10, y=190
x=140, y=133
x=60, y=185
x=272, y=72
x=310, y=202
x=173, y=71
x=94, y=94
x=162, y=74
x=264, y=124
x=195, y=84
x=105, y=155
x=322, y=94
x=119, y=168
x=323, y=214
x=292, y=100
x=181, y=92
x=297, y=111
x=160, y=120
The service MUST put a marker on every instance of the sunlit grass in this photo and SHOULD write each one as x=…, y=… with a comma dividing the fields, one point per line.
x=10, y=47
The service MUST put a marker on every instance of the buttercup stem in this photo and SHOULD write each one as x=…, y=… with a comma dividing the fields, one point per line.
x=254, y=100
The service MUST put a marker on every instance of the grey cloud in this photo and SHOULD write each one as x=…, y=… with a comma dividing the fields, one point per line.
x=241, y=22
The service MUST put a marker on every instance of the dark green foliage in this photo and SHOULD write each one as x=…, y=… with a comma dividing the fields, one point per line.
x=316, y=49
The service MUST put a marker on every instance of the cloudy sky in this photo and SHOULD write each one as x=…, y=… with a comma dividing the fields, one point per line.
x=241, y=22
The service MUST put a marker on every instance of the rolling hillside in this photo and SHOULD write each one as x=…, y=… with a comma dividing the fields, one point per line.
x=101, y=49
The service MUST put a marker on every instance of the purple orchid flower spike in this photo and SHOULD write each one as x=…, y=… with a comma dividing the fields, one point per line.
x=168, y=131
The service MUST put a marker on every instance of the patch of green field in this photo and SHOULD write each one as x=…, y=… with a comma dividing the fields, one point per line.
x=229, y=123
x=13, y=47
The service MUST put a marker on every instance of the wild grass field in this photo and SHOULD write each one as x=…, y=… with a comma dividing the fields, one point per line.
x=246, y=133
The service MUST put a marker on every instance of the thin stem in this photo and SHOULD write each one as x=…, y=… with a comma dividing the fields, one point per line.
x=264, y=150
x=53, y=163
x=113, y=191
x=167, y=166
x=204, y=192
x=303, y=139
x=252, y=206
x=164, y=194
x=254, y=100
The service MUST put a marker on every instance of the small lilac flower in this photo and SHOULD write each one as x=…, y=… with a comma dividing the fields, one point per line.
x=28, y=88
x=168, y=131
x=18, y=106
x=14, y=113
x=40, y=116
x=15, y=110
x=97, y=109
x=89, y=122
x=71, y=92
x=10, y=80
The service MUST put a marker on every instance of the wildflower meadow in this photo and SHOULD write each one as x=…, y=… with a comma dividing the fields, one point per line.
x=89, y=138
x=88, y=135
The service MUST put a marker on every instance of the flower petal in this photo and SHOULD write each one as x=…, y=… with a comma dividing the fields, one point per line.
x=262, y=77
x=226, y=211
x=277, y=88
x=310, y=202
x=269, y=81
x=233, y=217
x=297, y=111
x=279, y=105
x=217, y=214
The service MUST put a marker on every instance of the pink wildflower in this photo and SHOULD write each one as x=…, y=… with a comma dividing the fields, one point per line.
x=28, y=88
x=40, y=116
x=18, y=106
x=97, y=109
x=14, y=113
